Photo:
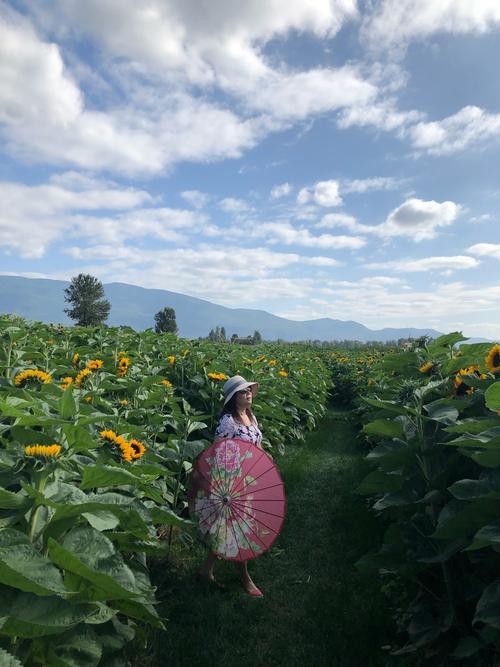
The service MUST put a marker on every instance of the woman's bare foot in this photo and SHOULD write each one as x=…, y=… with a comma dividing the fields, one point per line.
x=251, y=588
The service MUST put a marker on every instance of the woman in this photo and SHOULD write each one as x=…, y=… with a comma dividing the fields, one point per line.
x=236, y=421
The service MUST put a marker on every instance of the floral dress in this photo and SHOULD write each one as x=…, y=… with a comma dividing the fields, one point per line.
x=228, y=427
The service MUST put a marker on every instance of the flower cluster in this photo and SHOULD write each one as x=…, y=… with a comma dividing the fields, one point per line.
x=43, y=450
x=130, y=449
x=43, y=377
x=217, y=376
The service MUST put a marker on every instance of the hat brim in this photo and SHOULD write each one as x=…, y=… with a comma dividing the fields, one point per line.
x=254, y=386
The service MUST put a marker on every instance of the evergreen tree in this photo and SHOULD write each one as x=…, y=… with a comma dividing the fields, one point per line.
x=86, y=295
x=223, y=334
x=165, y=321
x=211, y=335
x=257, y=338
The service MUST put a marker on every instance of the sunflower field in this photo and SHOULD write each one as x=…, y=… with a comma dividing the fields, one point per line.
x=98, y=429
x=432, y=421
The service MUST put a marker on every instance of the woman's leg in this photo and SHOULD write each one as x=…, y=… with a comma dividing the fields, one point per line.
x=247, y=582
x=207, y=569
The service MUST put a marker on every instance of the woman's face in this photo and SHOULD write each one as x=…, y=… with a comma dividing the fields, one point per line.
x=244, y=399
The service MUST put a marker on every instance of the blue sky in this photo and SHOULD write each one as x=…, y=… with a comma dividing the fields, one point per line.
x=311, y=158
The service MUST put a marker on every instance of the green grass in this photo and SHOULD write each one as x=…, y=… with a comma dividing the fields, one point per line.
x=318, y=608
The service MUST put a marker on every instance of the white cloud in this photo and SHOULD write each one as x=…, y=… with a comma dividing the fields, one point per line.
x=293, y=96
x=203, y=43
x=471, y=125
x=283, y=232
x=452, y=263
x=31, y=217
x=332, y=220
x=324, y=193
x=361, y=185
x=382, y=114
x=485, y=250
x=384, y=306
x=196, y=198
x=420, y=220
x=234, y=205
x=33, y=84
x=216, y=273
x=154, y=58
x=281, y=190
x=395, y=22
x=484, y=217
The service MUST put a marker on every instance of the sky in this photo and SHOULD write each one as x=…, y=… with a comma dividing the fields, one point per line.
x=311, y=158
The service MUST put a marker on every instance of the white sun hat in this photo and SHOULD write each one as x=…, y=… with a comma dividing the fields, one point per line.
x=237, y=383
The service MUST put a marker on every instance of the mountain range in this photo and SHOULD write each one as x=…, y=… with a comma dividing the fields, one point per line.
x=43, y=300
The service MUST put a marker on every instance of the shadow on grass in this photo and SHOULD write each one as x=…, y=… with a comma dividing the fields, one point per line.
x=317, y=608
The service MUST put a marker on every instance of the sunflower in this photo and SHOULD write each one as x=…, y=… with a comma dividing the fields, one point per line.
x=66, y=382
x=94, y=364
x=43, y=377
x=44, y=451
x=123, y=365
x=75, y=360
x=461, y=388
x=493, y=359
x=124, y=402
x=136, y=448
x=426, y=367
x=167, y=383
x=283, y=373
x=217, y=376
x=171, y=359
x=272, y=362
x=81, y=376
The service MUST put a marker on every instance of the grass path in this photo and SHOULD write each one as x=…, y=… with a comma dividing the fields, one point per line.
x=318, y=609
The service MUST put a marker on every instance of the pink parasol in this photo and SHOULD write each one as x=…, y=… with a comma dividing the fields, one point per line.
x=238, y=497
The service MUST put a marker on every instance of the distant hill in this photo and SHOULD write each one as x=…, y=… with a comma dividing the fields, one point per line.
x=43, y=300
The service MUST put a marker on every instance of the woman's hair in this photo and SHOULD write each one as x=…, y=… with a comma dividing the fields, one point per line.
x=230, y=408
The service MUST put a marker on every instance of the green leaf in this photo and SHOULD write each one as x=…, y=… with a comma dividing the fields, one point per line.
x=384, y=427
x=22, y=567
x=78, y=648
x=67, y=405
x=102, y=520
x=12, y=501
x=488, y=607
x=467, y=647
x=98, y=476
x=489, y=534
x=492, y=396
x=28, y=615
x=462, y=519
x=447, y=340
x=487, y=486
x=474, y=425
x=163, y=516
x=140, y=611
x=89, y=554
x=8, y=660
x=441, y=411
x=380, y=482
